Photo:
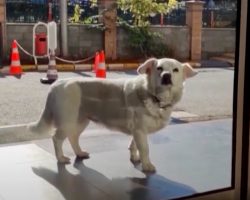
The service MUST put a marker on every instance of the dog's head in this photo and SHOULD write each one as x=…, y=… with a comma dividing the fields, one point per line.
x=167, y=71
x=165, y=74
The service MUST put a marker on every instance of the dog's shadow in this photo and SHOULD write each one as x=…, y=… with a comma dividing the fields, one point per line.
x=91, y=184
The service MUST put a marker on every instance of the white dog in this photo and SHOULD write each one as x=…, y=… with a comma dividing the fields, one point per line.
x=136, y=106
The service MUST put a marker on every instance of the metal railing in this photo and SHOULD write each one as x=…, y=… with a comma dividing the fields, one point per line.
x=219, y=18
x=32, y=11
x=21, y=11
x=176, y=17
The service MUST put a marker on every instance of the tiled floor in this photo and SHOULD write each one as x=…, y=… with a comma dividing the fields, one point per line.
x=190, y=158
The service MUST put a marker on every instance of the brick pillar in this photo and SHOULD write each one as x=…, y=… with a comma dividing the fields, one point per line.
x=2, y=30
x=194, y=22
x=110, y=33
x=2, y=10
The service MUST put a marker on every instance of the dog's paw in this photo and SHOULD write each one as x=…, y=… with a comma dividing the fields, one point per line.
x=148, y=167
x=64, y=160
x=82, y=155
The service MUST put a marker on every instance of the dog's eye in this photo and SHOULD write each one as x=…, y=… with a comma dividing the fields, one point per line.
x=160, y=68
x=176, y=70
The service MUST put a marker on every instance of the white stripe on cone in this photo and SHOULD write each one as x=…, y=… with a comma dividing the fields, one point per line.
x=15, y=63
x=14, y=50
x=101, y=66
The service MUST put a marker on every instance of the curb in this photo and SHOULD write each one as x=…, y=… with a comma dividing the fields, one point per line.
x=71, y=67
x=86, y=67
x=10, y=133
x=202, y=118
x=19, y=133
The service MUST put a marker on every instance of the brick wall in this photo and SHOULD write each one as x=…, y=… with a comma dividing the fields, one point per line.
x=176, y=39
x=23, y=35
x=216, y=41
x=84, y=42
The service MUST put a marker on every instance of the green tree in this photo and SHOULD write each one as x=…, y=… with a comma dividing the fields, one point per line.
x=140, y=37
x=142, y=9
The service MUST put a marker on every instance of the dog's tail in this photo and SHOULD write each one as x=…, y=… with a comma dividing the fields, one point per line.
x=18, y=133
x=27, y=132
x=44, y=124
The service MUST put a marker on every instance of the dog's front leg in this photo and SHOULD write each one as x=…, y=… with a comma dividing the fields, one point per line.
x=141, y=141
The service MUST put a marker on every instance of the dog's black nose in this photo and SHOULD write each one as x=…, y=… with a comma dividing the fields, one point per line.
x=166, y=79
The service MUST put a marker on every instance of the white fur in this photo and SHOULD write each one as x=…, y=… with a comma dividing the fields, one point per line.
x=136, y=106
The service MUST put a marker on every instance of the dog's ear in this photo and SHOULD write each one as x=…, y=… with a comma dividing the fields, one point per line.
x=188, y=71
x=147, y=66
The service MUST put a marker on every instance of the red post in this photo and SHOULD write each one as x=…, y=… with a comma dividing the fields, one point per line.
x=162, y=20
x=212, y=19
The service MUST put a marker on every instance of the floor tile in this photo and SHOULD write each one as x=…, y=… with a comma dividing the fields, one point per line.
x=19, y=153
x=190, y=158
x=41, y=178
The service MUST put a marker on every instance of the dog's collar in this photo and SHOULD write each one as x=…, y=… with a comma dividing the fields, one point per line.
x=158, y=101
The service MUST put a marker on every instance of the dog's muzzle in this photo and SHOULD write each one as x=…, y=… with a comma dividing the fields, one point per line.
x=166, y=79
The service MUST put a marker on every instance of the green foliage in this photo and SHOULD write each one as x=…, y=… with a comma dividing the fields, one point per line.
x=140, y=37
x=147, y=42
x=77, y=14
x=142, y=9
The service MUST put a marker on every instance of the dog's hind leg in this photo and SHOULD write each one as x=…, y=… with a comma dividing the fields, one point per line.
x=74, y=140
x=134, y=156
x=58, y=139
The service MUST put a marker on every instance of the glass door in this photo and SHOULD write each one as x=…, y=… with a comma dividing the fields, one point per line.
x=240, y=178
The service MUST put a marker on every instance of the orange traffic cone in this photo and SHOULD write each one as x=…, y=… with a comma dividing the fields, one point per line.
x=97, y=59
x=101, y=69
x=15, y=66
